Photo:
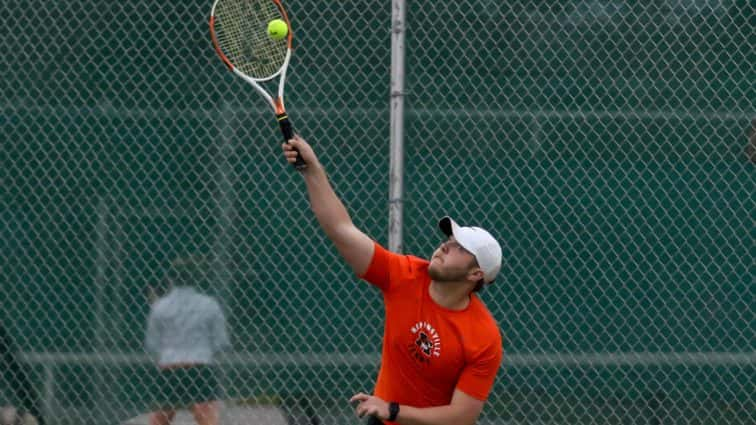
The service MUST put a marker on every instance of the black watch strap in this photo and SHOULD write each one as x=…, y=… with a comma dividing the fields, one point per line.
x=393, y=411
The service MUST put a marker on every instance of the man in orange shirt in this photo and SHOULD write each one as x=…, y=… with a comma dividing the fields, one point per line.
x=441, y=346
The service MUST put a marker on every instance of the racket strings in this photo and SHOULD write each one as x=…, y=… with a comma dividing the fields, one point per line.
x=241, y=30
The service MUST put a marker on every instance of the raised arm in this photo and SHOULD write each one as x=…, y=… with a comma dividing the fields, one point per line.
x=354, y=245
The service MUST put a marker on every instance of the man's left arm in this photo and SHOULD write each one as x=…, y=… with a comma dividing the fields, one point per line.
x=463, y=410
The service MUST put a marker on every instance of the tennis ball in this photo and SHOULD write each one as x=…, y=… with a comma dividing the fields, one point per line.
x=277, y=29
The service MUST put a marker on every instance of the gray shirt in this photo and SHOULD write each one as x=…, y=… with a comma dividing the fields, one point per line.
x=185, y=326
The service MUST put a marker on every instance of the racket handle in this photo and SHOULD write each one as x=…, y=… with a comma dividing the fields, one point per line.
x=288, y=133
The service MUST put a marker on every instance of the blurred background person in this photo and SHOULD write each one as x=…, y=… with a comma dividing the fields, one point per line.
x=185, y=330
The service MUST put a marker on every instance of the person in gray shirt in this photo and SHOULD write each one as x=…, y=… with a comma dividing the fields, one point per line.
x=185, y=329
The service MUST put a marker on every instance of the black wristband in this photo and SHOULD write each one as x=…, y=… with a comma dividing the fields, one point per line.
x=393, y=411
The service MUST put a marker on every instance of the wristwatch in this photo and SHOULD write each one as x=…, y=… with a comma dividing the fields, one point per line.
x=393, y=411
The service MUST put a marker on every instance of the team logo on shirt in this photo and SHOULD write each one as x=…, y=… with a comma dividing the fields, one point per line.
x=427, y=342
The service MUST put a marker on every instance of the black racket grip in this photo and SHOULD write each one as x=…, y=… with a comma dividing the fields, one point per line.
x=288, y=134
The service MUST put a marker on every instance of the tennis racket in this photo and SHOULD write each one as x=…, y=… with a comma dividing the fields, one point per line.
x=238, y=29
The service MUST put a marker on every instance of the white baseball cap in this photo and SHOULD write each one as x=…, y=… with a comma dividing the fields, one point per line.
x=480, y=243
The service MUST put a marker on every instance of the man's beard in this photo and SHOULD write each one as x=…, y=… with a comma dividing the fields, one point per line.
x=446, y=275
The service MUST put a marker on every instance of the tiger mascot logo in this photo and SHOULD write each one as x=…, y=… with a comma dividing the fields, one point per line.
x=426, y=344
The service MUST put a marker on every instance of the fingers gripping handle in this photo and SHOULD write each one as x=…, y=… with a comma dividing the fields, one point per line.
x=288, y=134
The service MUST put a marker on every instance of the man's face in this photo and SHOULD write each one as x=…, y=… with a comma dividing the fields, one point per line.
x=451, y=262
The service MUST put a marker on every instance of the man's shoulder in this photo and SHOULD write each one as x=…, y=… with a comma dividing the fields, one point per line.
x=160, y=303
x=482, y=318
x=413, y=270
x=418, y=264
x=205, y=300
x=402, y=264
x=409, y=264
x=391, y=270
x=186, y=297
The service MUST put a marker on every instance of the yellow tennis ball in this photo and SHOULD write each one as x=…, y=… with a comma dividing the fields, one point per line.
x=277, y=29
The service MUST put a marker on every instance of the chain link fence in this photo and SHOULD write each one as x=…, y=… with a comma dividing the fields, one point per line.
x=609, y=144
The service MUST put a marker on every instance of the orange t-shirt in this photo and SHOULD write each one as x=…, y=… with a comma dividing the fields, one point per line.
x=429, y=350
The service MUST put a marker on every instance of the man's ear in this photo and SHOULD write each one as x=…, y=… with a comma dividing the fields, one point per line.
x=475, y=274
